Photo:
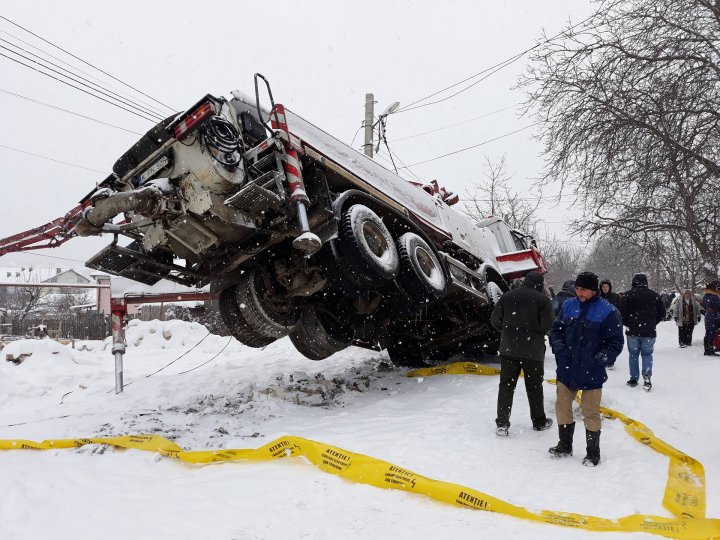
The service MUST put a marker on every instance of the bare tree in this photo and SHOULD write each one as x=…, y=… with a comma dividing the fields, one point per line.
x=21, y=301
x=629, y=111
x=563, y=262
x=493, y=195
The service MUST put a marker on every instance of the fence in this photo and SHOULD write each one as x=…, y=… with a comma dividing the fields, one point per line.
x=70, y=326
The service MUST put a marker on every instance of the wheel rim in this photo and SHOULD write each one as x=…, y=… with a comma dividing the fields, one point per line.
x=269, y=302
x=374, y=238
x=425, y=261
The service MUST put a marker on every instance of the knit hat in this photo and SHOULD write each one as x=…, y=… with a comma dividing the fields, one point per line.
x=587, y=280
x=714, y=285
x=640, y=280
x=534, y=279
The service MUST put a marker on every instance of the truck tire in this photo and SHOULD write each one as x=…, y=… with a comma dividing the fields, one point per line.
x=318, y=334
x=494, y=292
x=421, y=276
x=367, y=245
x=233, y=318
x=267, y=318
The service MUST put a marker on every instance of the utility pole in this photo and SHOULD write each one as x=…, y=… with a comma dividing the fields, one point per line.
x=369, y=117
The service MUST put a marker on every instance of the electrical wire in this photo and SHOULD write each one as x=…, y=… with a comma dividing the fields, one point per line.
x=52, y=257
x=497, y=67
x=86, y=63
x=77, y=69
x=208, y=361
x=87, y=82
x=87, y=89
x=454, y=125
x=473, y=146
x=168, y=364
x=52, y=159
x=468, y=87
x=77, y=88
x=68, y=111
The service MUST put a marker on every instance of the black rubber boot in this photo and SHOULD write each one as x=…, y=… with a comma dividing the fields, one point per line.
x=593, y=448
x=564, y=447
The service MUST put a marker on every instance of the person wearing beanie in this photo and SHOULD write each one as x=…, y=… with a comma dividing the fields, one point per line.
x=711, y=303
x=642, y=310
x=523, y=317
x=586, y=337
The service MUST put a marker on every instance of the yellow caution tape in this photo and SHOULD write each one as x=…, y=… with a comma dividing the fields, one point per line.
x=368, y=470
x=685, y=488
x=458, y=368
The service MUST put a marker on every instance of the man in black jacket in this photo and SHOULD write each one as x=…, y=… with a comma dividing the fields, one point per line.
x=566, y=293
x=641, y=309
x=523, y=316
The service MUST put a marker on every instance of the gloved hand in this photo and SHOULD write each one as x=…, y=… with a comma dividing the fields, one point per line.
x=602, y=359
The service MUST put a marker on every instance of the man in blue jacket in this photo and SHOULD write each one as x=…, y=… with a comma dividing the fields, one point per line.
x=586, y=337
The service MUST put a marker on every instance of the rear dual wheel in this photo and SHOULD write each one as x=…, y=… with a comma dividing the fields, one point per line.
x=320, y=333
x=254, y=313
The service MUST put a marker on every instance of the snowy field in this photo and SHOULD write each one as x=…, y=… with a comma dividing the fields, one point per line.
x=441, y=427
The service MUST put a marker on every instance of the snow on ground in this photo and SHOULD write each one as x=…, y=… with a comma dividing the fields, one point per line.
x=441, y=427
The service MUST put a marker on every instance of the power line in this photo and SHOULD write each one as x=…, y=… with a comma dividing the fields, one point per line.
x=473, y=146
x=52, y=159
x=153, y=107
x=50, y=256
x=86, y=63
x=134, y=110
x=67, y=111
x=87, y=84
x=468, y=87
x=496, y=67
x=455, y=125
x=77, y=88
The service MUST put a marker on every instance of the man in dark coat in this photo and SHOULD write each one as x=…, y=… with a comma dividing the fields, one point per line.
x=711, y=304
x=607, y=294
x=523, y=316
x=586, y=336
x=567, y=292
x=642, y=310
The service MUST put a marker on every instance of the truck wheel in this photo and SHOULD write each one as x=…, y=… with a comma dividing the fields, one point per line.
x=367, y=245
x=233, y=318
x=421, y=276
x=493, y=291
x=267, y=315
x=319, y=334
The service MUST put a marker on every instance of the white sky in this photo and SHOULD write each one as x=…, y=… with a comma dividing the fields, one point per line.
x=320, y=57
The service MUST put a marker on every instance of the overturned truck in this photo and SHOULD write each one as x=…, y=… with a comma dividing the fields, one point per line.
x=303, y=236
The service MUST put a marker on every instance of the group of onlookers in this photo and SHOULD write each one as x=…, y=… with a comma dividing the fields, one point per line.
x=585, y=323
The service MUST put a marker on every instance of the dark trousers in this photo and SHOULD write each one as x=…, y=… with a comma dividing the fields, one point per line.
x=533, y=371
x=685, y=333
x=709, y=338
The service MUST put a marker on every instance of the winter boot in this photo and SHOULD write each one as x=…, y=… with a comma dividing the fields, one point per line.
x=647, y=385
x=564, y=447
x=592, y=439
x=502, y=431
x=542, y=426
x=632, y=383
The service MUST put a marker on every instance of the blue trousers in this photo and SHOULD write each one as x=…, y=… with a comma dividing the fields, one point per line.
x=640, y=346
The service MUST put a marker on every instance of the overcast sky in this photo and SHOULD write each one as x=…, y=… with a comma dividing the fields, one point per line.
x=320, y=57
